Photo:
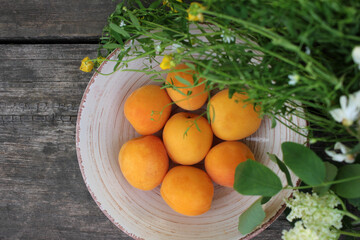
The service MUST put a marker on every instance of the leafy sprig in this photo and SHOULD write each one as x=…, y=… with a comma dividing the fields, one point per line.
x=317, y=175
x=283, y=42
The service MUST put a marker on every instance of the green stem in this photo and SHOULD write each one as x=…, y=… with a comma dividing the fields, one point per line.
x=326, y=183
x=356, y=222
x=342, y=203
x=356, y=218
x=164, y=27
x=353, y=234
x=352, y=133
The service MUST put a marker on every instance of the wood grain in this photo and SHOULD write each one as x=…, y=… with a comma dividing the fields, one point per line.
x=53, y=20
x=41, y=189
x=42, y=193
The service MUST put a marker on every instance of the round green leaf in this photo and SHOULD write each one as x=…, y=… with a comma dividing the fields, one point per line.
x=304, y=163
x=253, y=178
x=251, y=218
x=331, y=171
x=350, y=189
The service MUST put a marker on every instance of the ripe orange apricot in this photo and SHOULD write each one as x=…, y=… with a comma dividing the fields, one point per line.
x=198, y=95
x=144, y=162
x=142, y=109
x=187, y=138
x=233, y=119
x=187, y=190
x=222, y=160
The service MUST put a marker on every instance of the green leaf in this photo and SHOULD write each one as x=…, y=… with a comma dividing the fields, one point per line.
x=253, y=178
x=161, y=35
x=304, y=163
x=178, y=90
x=282, y=167
x=208, y=67
x=273, y=122
x=251, y=218
x=111, y=46
x=349, y=189
x=139, y=3
x=155, y=4
x=231, y=92
x=331, y=171
x=118, y=29
x=116, y=36
x=209, y=108
x=118, y=8
x=183, y=81
x=146, y=40
x=355, y=202
x=190, y=65
x=197, y=126
x=134, y=20
x=356, y=149
x=265, y=200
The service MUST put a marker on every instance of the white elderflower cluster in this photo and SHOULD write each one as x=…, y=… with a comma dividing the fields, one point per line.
x=299, y=233
x=318, y=216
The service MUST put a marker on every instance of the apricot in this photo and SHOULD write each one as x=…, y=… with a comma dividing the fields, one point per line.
x=187, y=190
x=222, y=160
x=147, y=109
x=198, y=95
x=187, y=138
x=144, y=162
x=233, y=119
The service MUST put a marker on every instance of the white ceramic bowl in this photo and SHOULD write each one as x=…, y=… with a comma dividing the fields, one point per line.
x=102, y=129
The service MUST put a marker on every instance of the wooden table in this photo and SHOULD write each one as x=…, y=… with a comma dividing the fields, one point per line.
x=42, y=192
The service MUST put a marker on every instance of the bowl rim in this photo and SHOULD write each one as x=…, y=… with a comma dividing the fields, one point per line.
x=248, y=236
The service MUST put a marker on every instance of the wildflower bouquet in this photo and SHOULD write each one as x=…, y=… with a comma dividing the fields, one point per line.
x=293, y=58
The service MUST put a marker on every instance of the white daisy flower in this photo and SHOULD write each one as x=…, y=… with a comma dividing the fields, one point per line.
x=129, y=45
x=175, y=46
x=356, y=55
x=343, y=155
x=158, y=48
x=294, y=78
x=349, y=110
x=227, y=38
x=122, y=23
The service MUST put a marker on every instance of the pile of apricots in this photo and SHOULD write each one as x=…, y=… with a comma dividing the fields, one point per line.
x=187, y=138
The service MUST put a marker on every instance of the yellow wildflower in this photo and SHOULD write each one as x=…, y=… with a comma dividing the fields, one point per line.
x=86, y=65
x=167, y=3
x=167, y=62
x=194, y=12
x=100, y=59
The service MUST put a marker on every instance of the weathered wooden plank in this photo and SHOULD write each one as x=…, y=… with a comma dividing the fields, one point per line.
x=41, y=189
x=55, y=19
x=42, y=192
